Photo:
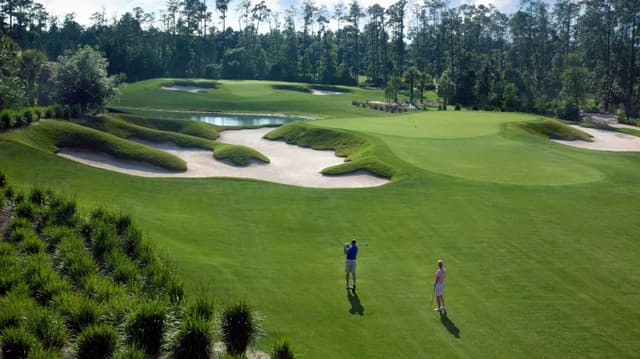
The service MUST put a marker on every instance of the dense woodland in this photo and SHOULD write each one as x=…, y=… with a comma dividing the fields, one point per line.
x=544, y=59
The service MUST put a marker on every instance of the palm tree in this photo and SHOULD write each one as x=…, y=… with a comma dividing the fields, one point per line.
x=410, y=76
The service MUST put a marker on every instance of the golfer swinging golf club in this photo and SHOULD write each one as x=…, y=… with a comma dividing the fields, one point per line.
x=438, y=286
x=351, y=251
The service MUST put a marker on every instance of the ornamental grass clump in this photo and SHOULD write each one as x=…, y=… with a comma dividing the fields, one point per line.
x=14, y=307
x=78, y=311
x=193, y=340
x=282, y=350
x=146, y=326
x=43, y=281
x=48, y=327
x=9, y=275
x=33, y=245
x=238, y=328
x=75, y=260
x=97, y=342
x=17, y=343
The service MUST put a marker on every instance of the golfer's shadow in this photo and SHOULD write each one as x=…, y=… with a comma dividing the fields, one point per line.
x=356, y=306
x=451, y=327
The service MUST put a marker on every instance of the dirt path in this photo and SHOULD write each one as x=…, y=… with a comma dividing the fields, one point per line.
x=289, y=164
x=605, y=141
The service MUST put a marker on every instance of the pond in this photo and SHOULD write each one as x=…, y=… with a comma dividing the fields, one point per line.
x=242, y=120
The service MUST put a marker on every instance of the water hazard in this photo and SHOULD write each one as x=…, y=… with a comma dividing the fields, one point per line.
x=241, y=120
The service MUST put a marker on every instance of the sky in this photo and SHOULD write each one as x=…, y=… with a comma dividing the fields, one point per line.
x=83, y=9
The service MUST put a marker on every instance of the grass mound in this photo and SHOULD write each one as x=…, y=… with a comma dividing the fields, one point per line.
x=237, y=154
x=186, y=127
x=205, y=84
x=356, y=149
x=51, y=135
x=296, y=88
x=330, y=88
x=554, y=129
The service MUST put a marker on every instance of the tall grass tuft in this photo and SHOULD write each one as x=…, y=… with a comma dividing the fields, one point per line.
x=193, y=340
x=15, y=306
x=48, y=327
x=9, y=275
x=146, y=327
x=75, y=260
x=54, y=234
x=120, y=267
x=62, y=212
x=103, y=240
x=17, y=343
x=3, y=179
x=97, y=342
x=202, y=308
x=26, y=210
x=33, y=245
x=79, y=311
x=43, y=281
x=20, y=231
x=37, y=196
x=238, y=328
x=132, y=352
x=282, y=350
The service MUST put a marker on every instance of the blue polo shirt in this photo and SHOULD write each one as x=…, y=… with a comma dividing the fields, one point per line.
x=352, y=252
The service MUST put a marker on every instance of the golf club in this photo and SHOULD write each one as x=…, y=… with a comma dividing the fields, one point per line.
x=433, y=294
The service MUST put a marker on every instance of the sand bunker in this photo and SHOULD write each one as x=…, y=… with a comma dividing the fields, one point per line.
x=325, y=92
x=191, y=89
x=289, y=164
x=605, y=141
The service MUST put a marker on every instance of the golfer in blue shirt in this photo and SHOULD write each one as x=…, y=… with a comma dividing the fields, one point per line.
x=351, y=251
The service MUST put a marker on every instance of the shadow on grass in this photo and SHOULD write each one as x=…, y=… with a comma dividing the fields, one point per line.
x=356, y=306
x=450, y=325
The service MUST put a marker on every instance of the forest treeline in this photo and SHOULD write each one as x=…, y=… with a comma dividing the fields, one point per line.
x=574, y=55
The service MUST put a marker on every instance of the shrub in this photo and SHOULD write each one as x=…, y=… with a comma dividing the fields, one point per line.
x=3, y=180
x=238, y=328
x=282, y=350
x=97, y=341
x=61, y=111
x=79, y=311
x=193, y=340
x=9, y=193
x=50, y=112
x=17, y=343
x=146, y=327
x=570, y=112
x=457, y=107
x=48, y=327
x=29, y=116
x=7, y=119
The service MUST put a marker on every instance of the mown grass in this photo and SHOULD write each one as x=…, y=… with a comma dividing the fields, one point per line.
x=187, y=127
x=529, y=230
x=247, y=97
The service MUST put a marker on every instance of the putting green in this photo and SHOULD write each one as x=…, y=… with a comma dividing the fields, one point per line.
x=539, y=240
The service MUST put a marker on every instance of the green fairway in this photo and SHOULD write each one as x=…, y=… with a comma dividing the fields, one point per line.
x=540, y=240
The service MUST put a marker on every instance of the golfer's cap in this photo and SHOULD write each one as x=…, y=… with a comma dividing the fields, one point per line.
x=353, y=240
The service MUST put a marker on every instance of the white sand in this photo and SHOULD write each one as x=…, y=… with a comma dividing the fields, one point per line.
x=191, y=89
x=289, y=164
x=605, y=141
x=326, y=93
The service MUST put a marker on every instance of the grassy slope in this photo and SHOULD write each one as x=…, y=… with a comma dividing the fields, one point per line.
x=121, y=126
x=51, y=135
x=539, y=239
